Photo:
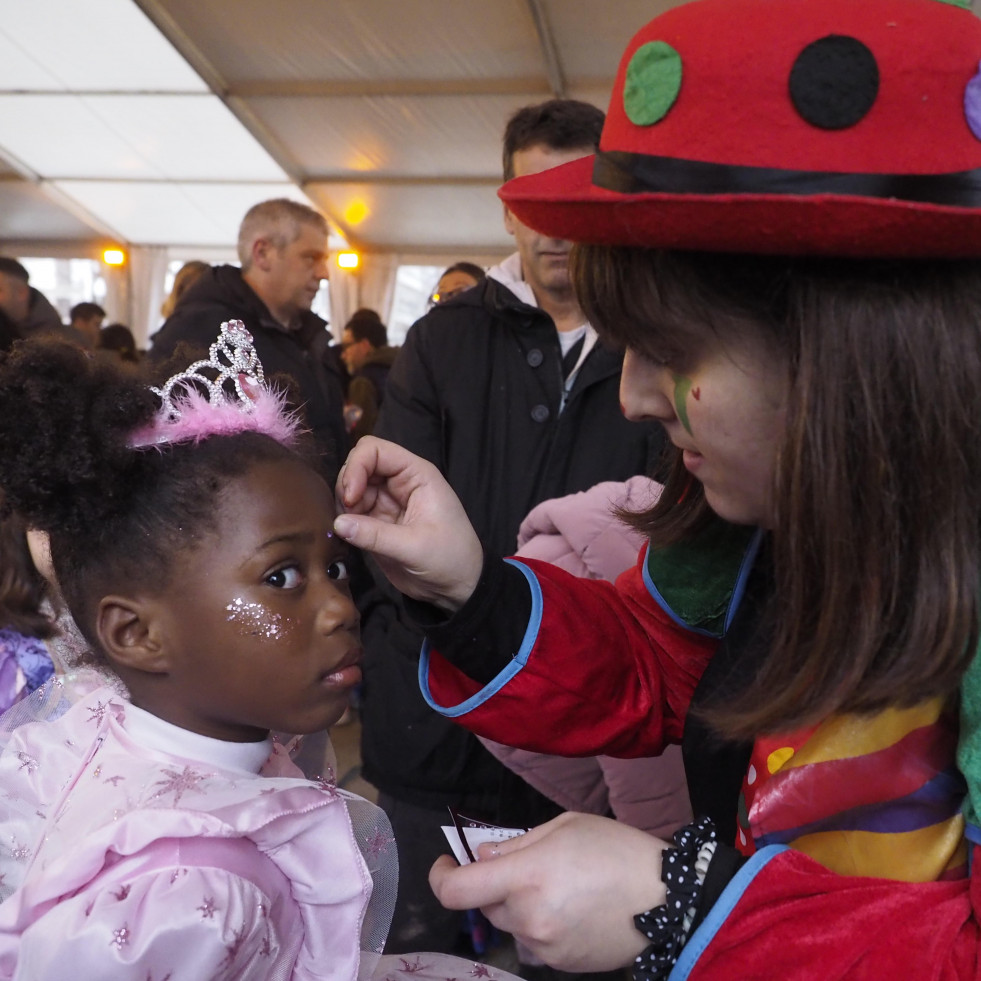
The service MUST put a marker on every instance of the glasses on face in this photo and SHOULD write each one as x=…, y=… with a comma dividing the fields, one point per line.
x=437, y=298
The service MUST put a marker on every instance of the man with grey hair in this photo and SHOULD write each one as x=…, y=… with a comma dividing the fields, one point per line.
x=282, y=246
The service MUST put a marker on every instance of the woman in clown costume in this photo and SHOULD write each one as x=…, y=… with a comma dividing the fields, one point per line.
x=782, y=228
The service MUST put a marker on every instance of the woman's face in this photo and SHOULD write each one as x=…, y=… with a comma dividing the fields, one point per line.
x=726, y=410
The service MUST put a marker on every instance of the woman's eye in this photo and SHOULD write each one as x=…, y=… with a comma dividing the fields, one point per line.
x=288, y=577
x=338, y=570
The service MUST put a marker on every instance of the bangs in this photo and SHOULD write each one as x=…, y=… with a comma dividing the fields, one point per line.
x=667, y=305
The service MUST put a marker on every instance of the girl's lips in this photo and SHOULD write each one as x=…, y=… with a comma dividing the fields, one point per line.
x=347, y=671
x=346, y=677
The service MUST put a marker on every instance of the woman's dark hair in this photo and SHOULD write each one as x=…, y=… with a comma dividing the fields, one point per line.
x=116, y=516
x=877, y=510
x=22, y=589
x=471, y=269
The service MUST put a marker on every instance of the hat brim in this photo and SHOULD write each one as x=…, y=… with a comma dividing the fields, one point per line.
x=564, y=203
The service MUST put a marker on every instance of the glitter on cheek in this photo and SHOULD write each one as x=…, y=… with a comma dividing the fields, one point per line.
x=254, y=620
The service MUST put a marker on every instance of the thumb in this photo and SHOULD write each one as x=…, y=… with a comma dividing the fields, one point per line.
x=370, y=534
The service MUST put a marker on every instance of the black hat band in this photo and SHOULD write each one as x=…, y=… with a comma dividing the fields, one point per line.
x=638, y=173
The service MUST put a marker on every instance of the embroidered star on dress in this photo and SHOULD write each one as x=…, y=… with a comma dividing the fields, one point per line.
x=208, y=908
x=179, y=782
x=377, y=842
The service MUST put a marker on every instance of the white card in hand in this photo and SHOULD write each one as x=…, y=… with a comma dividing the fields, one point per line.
x=466, y=834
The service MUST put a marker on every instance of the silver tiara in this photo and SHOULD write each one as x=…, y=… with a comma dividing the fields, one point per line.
x=241, y=367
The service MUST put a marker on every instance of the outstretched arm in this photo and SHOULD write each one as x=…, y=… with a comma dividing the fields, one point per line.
x=401, y=509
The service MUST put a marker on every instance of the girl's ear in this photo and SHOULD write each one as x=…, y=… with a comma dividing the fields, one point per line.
x=131, y=635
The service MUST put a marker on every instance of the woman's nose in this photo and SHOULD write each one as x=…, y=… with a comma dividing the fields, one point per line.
x=644, y=389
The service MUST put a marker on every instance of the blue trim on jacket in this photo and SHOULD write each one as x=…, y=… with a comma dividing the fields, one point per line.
x=517, y=662
x=699, y=941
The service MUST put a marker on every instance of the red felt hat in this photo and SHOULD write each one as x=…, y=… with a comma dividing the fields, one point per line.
x=809, y=127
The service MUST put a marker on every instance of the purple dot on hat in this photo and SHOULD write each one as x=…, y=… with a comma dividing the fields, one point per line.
x=652, y=83
x=972, y=104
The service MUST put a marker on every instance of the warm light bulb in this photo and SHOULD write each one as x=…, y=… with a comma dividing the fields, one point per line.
x=113, y=257
x=348, y=260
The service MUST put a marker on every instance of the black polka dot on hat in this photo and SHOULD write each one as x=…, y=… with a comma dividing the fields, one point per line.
x=834, y=82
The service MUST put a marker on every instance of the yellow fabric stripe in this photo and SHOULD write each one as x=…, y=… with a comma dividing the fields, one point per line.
x=846, y=736
x=909, y=856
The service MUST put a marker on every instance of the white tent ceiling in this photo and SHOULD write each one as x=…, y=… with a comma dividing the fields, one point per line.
x=158, y=122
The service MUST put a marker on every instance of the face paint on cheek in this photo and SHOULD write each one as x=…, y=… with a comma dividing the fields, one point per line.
x=682, y=386
x=254, y=620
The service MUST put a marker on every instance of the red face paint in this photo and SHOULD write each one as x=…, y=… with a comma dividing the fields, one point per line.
x=696, y=394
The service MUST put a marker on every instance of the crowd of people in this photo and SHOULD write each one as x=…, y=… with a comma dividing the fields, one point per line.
x=655, y=544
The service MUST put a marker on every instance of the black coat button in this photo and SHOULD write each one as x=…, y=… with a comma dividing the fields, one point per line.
x=539, y=413
x=535, y=357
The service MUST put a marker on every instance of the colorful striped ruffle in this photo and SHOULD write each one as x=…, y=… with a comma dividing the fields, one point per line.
x=875, y=795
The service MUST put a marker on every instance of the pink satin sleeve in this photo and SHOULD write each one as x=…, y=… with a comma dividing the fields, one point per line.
x=182, y=922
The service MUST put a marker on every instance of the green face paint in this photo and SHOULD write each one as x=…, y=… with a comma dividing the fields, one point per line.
x=682, y=386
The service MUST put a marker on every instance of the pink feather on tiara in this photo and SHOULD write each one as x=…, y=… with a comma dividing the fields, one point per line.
x=194, y=406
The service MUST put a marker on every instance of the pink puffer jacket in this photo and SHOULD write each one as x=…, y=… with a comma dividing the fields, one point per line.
x=580, y=533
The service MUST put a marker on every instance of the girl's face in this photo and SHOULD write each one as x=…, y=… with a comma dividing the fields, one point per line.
x=726, y=411
x=258, y=622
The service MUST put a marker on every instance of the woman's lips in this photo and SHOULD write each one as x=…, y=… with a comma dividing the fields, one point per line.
x=691, y=460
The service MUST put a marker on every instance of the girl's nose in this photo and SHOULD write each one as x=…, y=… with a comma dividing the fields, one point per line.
x=337, y=611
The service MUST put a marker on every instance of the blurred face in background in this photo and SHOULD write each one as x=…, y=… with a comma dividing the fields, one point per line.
x=15, y=297
x=452, y=284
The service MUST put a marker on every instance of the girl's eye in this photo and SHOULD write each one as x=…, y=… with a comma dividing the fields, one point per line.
x=338, y=571
x=288, y=577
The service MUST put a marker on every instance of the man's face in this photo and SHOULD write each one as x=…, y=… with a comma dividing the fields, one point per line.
x=544, y=261
x=295, y=271
x=354, y=352
x=90, y=327
x=14, y=297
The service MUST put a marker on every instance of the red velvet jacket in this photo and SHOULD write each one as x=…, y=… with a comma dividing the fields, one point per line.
x=784, y=914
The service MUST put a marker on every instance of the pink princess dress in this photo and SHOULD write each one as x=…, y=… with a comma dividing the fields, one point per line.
x=132, y=849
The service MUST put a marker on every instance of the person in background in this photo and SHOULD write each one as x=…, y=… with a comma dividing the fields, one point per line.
x=118, y=340
x=455, y=279
x=25, y=623
x=185, y=277
x=31, y=312
x=8, y=332
x=368, y=359
x=86, y=319
x=282, y=246
x=503, y=388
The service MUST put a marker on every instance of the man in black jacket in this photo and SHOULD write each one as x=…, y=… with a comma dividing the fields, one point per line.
x=282, y=246
x=505, y=389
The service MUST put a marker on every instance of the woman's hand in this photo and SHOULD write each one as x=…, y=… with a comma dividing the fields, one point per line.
x=568, y=890
x=401, y=509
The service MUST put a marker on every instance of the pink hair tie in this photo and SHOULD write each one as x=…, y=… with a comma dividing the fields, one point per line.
x=194, y=406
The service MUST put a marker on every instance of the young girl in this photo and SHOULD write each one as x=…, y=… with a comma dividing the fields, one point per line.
x=784, y=221
x=150, y=828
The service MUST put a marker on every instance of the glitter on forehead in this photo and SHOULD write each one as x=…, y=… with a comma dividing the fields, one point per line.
x=254, y=620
